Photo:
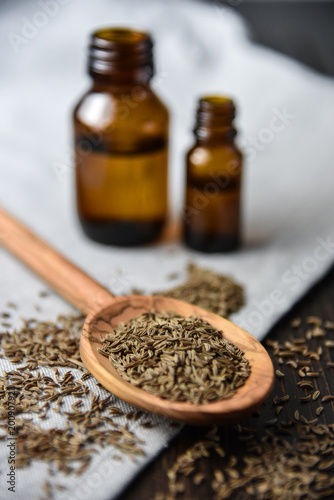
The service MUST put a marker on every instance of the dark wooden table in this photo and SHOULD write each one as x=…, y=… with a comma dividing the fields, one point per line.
x=295, y=414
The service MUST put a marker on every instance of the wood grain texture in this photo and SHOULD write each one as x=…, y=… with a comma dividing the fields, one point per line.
x=247, y=398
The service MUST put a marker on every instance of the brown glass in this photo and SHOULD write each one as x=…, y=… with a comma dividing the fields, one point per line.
x=121, y=142
x=211, y=217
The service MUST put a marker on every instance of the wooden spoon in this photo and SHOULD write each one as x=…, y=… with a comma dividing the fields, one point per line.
x=105, y=312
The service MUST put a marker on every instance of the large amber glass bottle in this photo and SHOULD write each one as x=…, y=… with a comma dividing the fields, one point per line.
x=211, y=218
x=121, y=142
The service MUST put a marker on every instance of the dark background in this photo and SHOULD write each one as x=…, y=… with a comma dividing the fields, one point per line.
x=303, y=30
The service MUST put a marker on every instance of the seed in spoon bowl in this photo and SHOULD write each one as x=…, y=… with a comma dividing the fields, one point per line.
x=176, y=358
x=247, y=399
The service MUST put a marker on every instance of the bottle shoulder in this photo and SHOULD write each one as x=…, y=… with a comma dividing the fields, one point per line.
x=126, y=119
x=201, y=153
x=104, y=106
x=203, y=161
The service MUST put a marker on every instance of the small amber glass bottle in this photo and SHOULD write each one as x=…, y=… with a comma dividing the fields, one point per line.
x=211, y=217
x=121, y=142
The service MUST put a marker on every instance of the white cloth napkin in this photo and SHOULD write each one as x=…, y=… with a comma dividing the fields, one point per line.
x=285, y=119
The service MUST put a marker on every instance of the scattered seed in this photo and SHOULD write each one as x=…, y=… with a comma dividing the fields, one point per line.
x=318, y=332
x=11, y=305
x=278, y=410
x=283, y=398
x=314, y=320
x=198, y=478
x=272, y=421
x=204, y=288
x=329, y=397
x=295, y=323
x=305, y=384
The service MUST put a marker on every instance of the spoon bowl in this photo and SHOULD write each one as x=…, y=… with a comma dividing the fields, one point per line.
x=247, y=397
x=105, y=312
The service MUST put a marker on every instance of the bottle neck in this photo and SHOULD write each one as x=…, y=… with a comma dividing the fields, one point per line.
x=120, y=56
x=209, y=136
x=214, y=120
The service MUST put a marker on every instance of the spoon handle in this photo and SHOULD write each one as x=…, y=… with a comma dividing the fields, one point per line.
x=63, y=276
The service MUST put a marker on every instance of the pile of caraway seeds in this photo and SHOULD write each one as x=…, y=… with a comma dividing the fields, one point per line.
x=91, y=422
x=289, y=456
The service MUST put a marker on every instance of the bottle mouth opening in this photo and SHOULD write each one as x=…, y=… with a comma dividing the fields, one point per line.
x=215, y=113
x=104, y=37
x=216, y=100
x=217, y=105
